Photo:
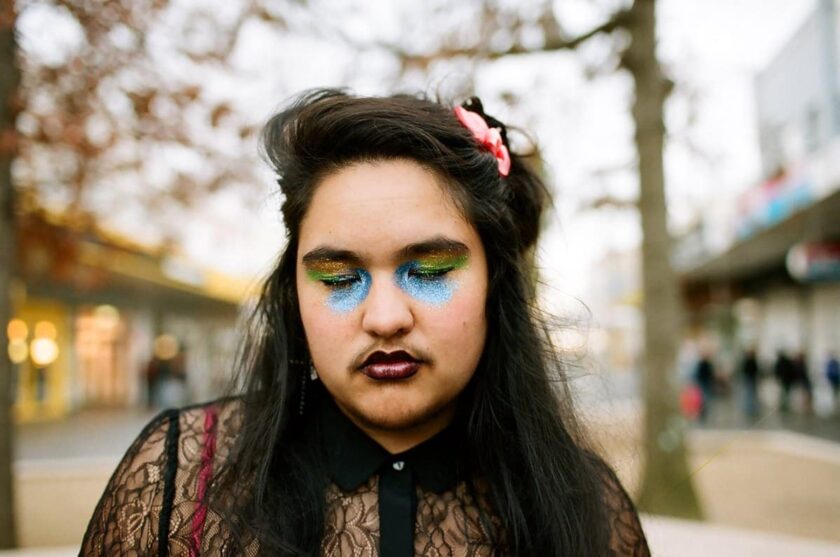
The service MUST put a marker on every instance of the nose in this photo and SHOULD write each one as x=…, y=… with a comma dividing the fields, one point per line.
x=387, y=310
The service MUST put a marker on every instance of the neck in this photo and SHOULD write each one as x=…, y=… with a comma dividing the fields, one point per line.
x=400, y=440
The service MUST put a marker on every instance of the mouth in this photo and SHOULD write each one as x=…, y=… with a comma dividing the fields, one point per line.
x=389, y=366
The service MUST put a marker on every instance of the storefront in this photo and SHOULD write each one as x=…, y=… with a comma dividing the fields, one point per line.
x=776, y=290
x=88, y=308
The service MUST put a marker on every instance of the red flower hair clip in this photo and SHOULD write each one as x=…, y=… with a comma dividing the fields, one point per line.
x=489, y=137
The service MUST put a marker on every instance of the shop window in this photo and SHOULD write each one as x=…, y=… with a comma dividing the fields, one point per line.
x=812, y=129
x=102, y=355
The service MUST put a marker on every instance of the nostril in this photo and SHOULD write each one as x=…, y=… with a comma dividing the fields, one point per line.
x=387, y=326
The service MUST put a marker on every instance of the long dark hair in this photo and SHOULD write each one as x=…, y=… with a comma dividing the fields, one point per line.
x=522, y=437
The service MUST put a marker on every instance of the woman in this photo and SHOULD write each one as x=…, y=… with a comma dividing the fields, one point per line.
x=401, y=395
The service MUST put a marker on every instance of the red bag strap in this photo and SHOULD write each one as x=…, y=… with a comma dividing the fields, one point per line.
x=203, y=479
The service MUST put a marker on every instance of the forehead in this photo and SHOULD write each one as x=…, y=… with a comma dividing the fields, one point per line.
x=375, y=208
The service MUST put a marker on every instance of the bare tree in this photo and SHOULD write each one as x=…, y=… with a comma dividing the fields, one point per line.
x=131, y=91
x=9, y=79
x=666, y=483
x=95, y=118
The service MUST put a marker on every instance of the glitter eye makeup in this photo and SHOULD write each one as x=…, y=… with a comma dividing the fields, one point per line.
x=425, y=279
x=348, y=286
x=424, y=276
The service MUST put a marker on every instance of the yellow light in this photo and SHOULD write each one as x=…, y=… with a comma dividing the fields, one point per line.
x=44, y=351
x=45, y=329
x=18, y=351
x=107, y=313
x=165, y=347
x=17, y=330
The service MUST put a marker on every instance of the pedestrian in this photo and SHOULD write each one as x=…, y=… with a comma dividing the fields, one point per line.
x=156, y=371
x=704, y=376
x=401, y=393
x=832, y=374
x=750, y=373
x=785, y=374
x=802, y=379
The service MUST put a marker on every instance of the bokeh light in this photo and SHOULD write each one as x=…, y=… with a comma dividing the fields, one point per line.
x=18, y=351
x=45, y=329
x=17, y=330
x=44, y=351
x=165, y=347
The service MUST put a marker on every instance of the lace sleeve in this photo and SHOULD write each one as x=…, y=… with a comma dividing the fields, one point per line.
x=138, y=496
x=627, y=537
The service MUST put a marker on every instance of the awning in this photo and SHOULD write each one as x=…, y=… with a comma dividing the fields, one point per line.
x=766, y=250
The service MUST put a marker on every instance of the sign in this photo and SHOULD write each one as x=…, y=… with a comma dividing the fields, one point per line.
x=814, y=261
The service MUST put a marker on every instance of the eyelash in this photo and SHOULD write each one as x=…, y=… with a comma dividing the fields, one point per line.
x=345, y=281
x=431, y=274
x=338, y=283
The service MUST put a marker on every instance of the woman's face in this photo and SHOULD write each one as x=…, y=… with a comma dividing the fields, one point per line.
x=387, y=263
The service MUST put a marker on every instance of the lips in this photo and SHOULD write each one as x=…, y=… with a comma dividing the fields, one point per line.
x=390, y=366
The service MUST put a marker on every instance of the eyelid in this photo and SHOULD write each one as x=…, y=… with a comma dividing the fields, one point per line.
x=432, y=268
x=334, y=278
x=339, y=277
x=430, y=272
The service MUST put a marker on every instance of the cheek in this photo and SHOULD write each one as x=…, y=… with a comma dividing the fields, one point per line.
x=461, y=322
x=325, y=327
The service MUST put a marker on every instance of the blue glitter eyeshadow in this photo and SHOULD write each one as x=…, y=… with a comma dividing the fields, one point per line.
x=348, y=298
x=433, y=290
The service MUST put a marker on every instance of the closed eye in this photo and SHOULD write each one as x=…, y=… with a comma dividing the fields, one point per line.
x=429, y=274
x=340, y=282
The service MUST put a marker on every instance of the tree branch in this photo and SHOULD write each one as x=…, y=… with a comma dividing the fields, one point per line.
x=554, y=42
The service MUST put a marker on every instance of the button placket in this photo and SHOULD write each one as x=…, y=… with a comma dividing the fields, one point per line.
x=397, y=510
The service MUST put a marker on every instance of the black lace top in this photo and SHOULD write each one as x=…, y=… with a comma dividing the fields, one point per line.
x=377, y=503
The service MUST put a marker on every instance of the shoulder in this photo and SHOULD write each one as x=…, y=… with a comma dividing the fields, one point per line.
x=124, y=520
x=627, y=538
x=217, y=420
x=139, y=500
x=178, y=433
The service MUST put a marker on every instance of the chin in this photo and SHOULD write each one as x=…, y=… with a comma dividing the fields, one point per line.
x=396, y=413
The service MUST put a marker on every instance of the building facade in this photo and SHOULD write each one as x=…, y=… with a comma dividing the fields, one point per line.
x=775, y=286
x=90, y=310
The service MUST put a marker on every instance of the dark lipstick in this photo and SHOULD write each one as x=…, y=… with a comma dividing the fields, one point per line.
x=390, y=366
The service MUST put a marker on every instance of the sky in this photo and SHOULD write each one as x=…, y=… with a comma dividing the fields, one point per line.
x=711, y=48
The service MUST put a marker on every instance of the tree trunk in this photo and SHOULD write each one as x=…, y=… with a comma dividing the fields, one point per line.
x=666, y=483
x=9, y=80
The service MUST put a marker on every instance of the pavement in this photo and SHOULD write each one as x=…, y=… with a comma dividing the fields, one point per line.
x=666, y=537
x=766, y=490
x=91, y=434
x=773, y=481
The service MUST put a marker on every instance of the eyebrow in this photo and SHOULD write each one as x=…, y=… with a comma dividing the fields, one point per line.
x=435, y=245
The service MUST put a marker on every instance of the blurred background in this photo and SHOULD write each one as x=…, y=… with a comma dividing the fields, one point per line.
x=693, y=256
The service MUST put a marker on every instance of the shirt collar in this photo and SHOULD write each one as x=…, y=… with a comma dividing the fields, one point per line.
x=353, y=457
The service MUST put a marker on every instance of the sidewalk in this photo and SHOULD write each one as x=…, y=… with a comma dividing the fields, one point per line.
x=61, y=470
x=775, y=481
x=666, y=537
x=87, y=434
x=761, y=491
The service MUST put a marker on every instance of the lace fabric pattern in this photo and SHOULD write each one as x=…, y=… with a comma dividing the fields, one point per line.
x=450, y=524
x=155, y=489
x=627, y=537
x=125, y=521
x=447, y=524
x=352, y=522
x=150, y=503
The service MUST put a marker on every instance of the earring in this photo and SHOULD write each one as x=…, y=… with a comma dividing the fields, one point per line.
x=302, y=384
x=313, y=373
